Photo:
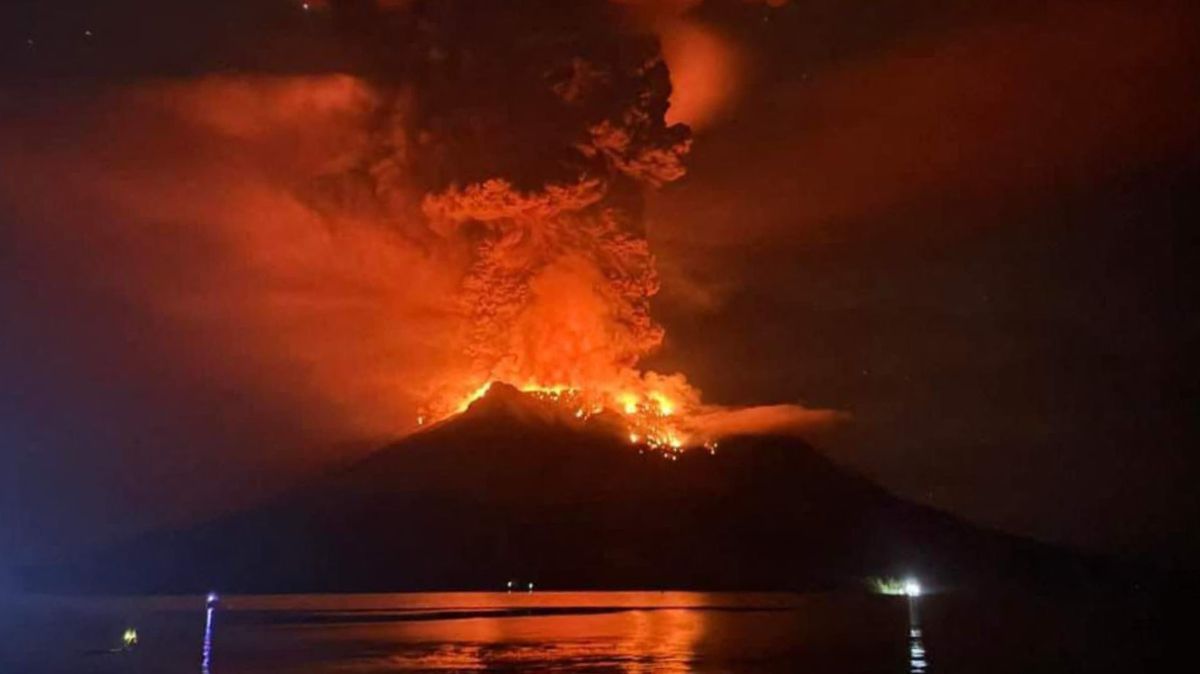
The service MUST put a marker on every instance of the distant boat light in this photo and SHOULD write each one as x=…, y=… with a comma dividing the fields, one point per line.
x=912, y=588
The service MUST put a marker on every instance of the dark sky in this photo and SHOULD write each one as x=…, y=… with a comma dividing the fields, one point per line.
x=970, y=225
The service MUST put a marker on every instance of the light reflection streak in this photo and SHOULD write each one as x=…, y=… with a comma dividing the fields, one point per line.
x=917, y=663
x=206, y=649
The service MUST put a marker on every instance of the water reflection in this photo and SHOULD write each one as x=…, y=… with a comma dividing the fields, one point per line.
x=917, y=664
x=630, y=633
x=206, y=648
x=631, y=641
x=564, y=633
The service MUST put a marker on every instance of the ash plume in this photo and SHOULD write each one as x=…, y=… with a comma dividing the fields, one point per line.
x=524, y=139
x=464, y=205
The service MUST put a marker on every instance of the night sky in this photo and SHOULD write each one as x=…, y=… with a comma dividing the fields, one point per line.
x=968, y=225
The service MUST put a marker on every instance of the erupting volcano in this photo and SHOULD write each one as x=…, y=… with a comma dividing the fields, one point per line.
x=516, y=487
x=524, y=163
x=556, y=297
x=434, y=233
x=460, y=198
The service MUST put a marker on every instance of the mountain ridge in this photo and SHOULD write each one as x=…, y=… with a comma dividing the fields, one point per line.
x=517, y=487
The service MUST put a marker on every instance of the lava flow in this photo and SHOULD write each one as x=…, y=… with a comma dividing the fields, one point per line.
x=651, y=421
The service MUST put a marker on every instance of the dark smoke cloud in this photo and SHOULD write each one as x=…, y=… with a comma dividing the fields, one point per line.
x=523, y=139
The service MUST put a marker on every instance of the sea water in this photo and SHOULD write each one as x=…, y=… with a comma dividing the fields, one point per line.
x=568, y=632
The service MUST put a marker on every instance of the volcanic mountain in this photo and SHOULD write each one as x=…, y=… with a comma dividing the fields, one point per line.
x=516, y=489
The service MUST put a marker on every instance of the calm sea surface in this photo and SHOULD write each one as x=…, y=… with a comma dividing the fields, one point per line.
x=570, y=632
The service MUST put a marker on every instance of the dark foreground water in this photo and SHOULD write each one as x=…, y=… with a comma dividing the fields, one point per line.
x=572, y=632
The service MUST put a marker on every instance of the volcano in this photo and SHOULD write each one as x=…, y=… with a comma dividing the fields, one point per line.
x=515, y=488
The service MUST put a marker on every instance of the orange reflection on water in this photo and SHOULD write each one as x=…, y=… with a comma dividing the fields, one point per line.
x=636, y=633
x=635, y=641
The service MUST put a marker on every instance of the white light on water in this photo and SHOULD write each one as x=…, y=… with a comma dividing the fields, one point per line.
x=207, y=646
x=912, y=588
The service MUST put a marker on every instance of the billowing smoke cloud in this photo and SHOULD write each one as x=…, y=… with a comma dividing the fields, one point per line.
x=531, y=156
x=527, y=157
x=466, y=209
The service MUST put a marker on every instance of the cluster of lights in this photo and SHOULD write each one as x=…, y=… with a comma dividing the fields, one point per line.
x=564, y=396
x=512, y=585
x=652, y=423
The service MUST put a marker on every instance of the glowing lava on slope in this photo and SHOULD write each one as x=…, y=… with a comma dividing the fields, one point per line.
x=651, y=420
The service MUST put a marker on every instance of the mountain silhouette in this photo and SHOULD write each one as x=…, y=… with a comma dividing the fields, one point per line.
x=516, y=489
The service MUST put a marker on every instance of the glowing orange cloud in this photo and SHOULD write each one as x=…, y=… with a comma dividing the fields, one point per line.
x=706, y=67
x=193, y=196
x=705, y=72
x=218, y=216
x=381, y=257
x=985, y=111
